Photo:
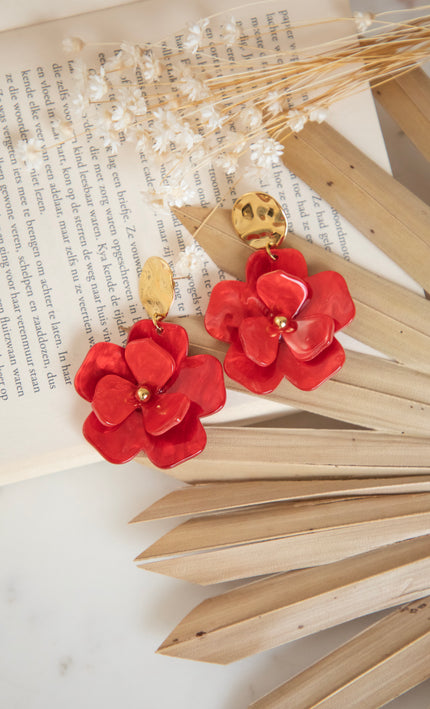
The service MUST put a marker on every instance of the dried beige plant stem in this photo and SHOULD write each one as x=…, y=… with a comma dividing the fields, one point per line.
x=383, y=210
x=373, y=668
x=284, y=536
x=208, y=497
x=407, y=100
x=284, y=607
x=244, y=453
x=183, y=113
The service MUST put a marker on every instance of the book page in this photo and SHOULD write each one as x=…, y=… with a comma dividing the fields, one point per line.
x=75, y=233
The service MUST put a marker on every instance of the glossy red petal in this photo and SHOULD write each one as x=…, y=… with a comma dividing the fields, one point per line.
x=201, y=379
x=329, y=294
x=151, y=364
x=282, y=294
x=311, y=336
x=259, y=342
x=164, y=412
x=259, y=380
x=173, y=338
x=117, y=444
x=103, y=358
x=181, y=443
x=309, y=375
x=114, y=399
x=288, y=260
x=226, y=310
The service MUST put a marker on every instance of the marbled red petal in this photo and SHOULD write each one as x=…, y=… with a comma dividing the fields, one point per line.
x=311, y=335
x=114, y=399
x=309, y=375
x=173, y=338
x=259, y=342
x=226, y=309
x=118, y=444
x=201, y=379
x=181, y=443
x=260, y=380
x=103, y=358
x=281, y=293
x=151, y=364
x=288, y=260
x=163, y=412
x=329, y=294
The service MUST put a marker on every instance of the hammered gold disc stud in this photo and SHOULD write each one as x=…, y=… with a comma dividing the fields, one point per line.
x=259, y=220
x=156, y=288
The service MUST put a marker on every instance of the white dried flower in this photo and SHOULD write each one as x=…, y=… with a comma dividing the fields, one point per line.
x=231, y=32
x=296, y=120
x=210, y=117
x=97, y=86
x=318, y=114
x=113, y=63
x=274, y=102
x=151, y=67
x=121, y=117
x=136, y=103
x=265, y=152
x=79, y=103
x=363, y=21
x=180, y=190
x=240, y=143
x=64, y=128
x=111, y=141
x=130, y=55
x=73, y=45
x=192, y=259
x=138, y=135
x=29, y=153
x=161, y=140
x=229, y=162
x=250, y=119
x=195, y=35
x=80, y=75
x=192, y=88
x=186, y=138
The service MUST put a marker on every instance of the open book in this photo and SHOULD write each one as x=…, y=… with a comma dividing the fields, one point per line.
x=74, y=234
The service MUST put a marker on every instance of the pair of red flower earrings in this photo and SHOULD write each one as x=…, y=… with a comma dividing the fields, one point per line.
x=150, y=395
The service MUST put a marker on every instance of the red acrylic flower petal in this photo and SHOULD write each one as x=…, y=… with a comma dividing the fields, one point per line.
x=181, y=443
x=226, y=309
x=201, y=379
x=288, y=260
x=164, y=412
x=260, y=380
x=311, y=335
x=309, y=375
x=150, y=363
x=114, y=399
x=329, y=294
x=117, y=444
x=103, y=358
x=173, y=338
x=259, y=342
x=283, y=294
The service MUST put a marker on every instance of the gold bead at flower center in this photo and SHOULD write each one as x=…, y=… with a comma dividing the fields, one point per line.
x=280, y=321
x=143, y=394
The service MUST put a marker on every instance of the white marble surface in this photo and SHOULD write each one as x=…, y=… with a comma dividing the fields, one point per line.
x=79, y=623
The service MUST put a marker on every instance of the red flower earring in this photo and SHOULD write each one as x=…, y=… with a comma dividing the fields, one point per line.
x=280, y=322
x=149, y=395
